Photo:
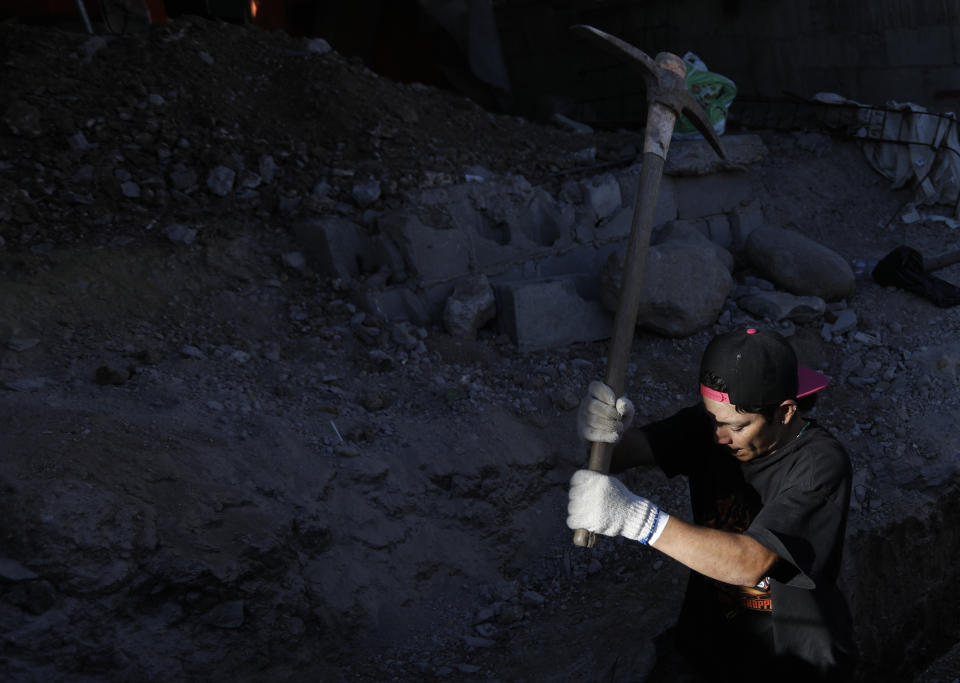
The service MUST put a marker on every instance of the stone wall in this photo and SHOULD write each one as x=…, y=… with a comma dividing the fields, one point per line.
x=869, y=50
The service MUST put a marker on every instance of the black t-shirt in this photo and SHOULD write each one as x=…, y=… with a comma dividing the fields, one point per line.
x=793, y=501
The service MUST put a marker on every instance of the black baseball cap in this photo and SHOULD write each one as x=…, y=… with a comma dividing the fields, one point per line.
x=759, y=368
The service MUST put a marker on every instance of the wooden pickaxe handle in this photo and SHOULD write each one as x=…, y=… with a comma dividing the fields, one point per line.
x=668, y=96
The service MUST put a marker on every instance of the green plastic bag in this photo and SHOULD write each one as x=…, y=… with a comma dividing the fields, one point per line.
x=712, y=91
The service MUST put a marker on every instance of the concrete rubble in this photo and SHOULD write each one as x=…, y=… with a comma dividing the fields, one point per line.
x=547, y=256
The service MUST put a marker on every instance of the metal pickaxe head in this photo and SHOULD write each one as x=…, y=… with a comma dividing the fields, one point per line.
x=665, y=77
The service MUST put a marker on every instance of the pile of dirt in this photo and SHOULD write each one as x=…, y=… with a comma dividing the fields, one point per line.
x=217, y=466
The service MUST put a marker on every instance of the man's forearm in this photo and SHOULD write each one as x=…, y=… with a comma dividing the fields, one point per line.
x=722, y=555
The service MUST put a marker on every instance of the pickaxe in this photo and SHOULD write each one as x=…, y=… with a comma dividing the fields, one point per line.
x=667, y=98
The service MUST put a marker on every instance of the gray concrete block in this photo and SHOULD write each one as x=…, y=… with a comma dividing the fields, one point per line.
x=429, y=254
x=543, y=221
x=603, y=195
x=549, y=314
x=337, y=247
x=667, y=208
x=712, y=194
x=617, y=228
x=718, y=230
x=697, y=157
x=743, y=221
x=695, y=232
x=579, y=260
x=490, y=257
x=681, y=229
x=396, y=304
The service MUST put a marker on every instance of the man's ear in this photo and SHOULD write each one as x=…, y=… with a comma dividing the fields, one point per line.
x=786, y=411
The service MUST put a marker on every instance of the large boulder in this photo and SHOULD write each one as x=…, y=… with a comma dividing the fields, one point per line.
x=800, y=265
x=684, y=288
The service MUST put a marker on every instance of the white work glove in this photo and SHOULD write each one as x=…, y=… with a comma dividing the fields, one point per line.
x=603, y=417
x=602, y=504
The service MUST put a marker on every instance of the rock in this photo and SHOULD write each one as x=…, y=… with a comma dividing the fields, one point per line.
x=367, y=193
x=779, y=306
x=697, y=157
x=799, y=265
x=477, y=174
x=228, y=615
x=428, y=253
x=91, y=46
x=603, y=195
x=318, y=46
x=571, y=125
x=846, y=322
x=470, y=307
x=336, y=246
x=189, y=351
x=690, y=232
x=183, y=178
x=267, y=167
x=478, y=642
x=78, y=143
x=19, y=344
x=548, y=313
x=744, y=220
x=295, y=260
x=11, y=570
x=180, y=234
x=220, y=180
x=818, y=143
x=684, y=288
x=27, y=384
x=532, y=598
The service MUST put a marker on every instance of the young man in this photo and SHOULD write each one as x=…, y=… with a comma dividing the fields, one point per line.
x=770, y=492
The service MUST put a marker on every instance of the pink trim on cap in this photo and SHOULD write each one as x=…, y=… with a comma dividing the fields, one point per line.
x=809, y=381
x=713, y=394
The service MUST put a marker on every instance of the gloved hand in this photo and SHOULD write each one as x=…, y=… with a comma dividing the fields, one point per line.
x=602, y=504
x=603, y=417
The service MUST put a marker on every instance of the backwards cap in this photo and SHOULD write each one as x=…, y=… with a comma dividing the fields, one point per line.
x=759, y=368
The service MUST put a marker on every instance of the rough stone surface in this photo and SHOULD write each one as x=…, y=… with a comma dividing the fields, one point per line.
x=697, y=233
x=336, y=246
x=799, y=264
x=470, y=307
x=684, y=288
x=777, y=306
x=550, y=313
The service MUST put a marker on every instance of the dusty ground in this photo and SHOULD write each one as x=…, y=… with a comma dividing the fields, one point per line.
x=171, y=402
